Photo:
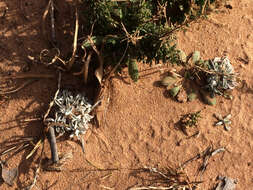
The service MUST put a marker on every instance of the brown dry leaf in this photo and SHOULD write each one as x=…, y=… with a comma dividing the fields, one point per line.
x=9, y=175
x=99, y=71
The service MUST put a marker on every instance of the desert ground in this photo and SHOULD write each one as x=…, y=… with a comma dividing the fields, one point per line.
x=138, y=128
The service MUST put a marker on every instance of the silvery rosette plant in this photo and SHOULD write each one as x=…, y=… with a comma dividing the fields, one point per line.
x=72, y=113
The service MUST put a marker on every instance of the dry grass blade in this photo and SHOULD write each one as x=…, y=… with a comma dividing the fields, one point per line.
x=37, y=169
x=38, y=144
x=52, y=102
x=206, y=156
x=168, y=179
x=99, y=70
x=72, y=59
x=16, y=144
x=86, y=67
x=44, y=18
x=16, y=148
x=18, y=88
x=8, y=150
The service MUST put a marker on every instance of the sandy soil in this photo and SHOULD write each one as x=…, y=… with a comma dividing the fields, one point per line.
x=139, y=125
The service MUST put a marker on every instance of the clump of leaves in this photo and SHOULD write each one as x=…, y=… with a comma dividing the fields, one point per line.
x=225, y=121
x=190, y=120
x=215, y=76
x=143, y=29
x=222, y=76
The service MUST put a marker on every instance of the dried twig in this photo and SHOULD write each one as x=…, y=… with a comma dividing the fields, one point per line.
x=172, y=179
x=205, y=155
x=16, y=147
x=52, y=102
x=37, y=169
x=34, y=149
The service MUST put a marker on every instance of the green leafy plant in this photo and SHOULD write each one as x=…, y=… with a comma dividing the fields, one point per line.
x=140, y=28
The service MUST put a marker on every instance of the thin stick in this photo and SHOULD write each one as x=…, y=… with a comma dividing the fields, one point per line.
x=16, y=148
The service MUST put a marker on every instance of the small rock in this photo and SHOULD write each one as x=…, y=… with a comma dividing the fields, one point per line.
x=226, y=183
x=9, y=175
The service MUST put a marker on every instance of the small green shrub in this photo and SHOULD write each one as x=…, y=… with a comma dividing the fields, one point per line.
x=142, y=28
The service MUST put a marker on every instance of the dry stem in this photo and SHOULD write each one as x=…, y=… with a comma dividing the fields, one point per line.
x=72, y=59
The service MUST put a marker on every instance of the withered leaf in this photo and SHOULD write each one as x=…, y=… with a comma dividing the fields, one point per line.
x=9, y=175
